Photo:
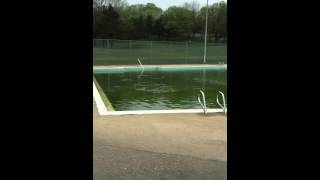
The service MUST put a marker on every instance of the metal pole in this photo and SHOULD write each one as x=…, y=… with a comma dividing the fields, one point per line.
x=205, y=37
x=187, y=50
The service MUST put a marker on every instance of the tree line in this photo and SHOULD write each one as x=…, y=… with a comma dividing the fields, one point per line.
x=115, y=19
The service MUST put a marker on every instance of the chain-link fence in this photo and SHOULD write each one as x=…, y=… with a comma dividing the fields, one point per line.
x=126, y=52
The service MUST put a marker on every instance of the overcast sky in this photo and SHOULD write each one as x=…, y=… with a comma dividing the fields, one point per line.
x=164, y=4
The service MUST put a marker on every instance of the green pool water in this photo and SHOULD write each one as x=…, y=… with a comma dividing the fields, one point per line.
x=162, y=90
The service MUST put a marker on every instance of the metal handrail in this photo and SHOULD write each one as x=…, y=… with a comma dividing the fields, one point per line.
x=203, y=105
x=141, y=67
x=224, y=106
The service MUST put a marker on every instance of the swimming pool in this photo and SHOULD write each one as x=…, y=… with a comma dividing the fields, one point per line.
x=158, y=88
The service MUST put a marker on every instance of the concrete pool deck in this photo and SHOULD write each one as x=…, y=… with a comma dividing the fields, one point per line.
x=180, y=146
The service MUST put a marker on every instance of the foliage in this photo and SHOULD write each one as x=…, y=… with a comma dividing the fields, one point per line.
x=117, y=19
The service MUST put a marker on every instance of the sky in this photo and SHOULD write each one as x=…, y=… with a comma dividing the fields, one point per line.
x=164, y=4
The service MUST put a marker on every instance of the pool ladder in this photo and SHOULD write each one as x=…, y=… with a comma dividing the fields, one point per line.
x=203, y=104
x=140, y=64
x=224, y=106
x=141, y=73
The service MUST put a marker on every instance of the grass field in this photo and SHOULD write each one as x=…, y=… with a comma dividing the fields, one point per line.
x=159, y=53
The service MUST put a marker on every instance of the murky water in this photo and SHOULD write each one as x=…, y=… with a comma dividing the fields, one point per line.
x=163, y=90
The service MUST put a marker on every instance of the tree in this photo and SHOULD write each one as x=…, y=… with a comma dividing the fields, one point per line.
x=177, y=23
x=108, y=22
x=221, y=20
x=217, y=20
x=149, y=25
x=158, y=29
x=152, y=10
x=194, y=7
x=139, y=20
x=113, y=3
x=98, y=3
x=116, y=19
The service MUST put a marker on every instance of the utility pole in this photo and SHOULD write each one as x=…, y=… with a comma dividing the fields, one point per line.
x=205, y=37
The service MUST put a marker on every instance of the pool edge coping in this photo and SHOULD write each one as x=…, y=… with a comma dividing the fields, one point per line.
x=168, y=67
x=173, y=111
x=100, y=96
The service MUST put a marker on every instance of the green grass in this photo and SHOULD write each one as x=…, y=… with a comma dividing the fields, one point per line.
x=160, y=54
